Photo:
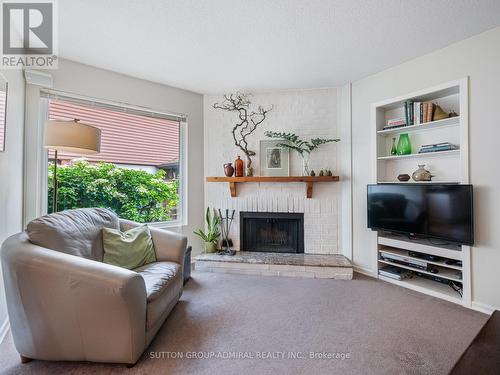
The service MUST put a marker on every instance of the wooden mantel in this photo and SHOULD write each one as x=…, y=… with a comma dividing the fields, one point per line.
x=308, y=180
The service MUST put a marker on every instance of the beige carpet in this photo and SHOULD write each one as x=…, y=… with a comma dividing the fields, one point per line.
x=381, y=328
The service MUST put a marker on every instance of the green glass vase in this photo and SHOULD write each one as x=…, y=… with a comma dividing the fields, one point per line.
x=404, y=145
x=394, y=150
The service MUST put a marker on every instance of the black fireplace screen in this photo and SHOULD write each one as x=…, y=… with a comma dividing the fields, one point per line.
x=272, y=232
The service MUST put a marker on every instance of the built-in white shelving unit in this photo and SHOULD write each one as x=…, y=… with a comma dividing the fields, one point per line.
x=447, y=167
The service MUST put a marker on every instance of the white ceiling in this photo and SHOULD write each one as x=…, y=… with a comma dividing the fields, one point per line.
x=216, y=46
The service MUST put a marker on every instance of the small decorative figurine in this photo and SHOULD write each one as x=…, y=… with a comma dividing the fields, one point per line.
x=321, y=172
x=329, y=173
x=439, y=114
x=313, y=173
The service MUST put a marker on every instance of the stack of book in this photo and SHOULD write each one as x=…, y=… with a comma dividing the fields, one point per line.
x=419, y=112
x=444, y=146
x=395, y=123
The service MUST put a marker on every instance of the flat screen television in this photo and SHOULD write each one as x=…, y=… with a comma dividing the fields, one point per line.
x=440, y=211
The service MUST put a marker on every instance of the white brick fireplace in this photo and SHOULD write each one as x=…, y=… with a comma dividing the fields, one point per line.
x=309, y=114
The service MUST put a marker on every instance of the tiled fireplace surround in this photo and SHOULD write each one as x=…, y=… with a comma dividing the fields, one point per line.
x=320, y=214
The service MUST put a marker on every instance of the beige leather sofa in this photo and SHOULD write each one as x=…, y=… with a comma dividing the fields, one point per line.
x=65, y=304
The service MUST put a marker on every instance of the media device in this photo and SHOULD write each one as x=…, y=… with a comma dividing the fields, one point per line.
x=439, y=211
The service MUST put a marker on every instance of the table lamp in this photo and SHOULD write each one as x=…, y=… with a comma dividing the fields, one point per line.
x=70, y=136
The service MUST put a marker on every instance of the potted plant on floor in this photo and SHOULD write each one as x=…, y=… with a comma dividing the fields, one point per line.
x=211, y=235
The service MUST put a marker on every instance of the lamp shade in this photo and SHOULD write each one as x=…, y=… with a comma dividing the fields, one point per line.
x=72, y=136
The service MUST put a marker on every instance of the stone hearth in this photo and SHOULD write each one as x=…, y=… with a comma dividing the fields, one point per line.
x=330, y=266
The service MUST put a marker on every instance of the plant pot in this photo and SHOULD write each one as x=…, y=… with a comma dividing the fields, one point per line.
x=210, y=247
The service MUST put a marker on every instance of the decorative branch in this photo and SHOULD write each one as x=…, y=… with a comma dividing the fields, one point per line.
x=248, y=120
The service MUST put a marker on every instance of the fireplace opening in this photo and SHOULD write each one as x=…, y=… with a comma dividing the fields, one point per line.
x=273, y=232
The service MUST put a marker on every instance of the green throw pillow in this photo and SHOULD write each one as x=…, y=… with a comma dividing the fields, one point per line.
x=130, y=249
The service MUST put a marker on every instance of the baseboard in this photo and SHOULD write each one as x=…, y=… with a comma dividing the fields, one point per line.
x=483, y=307
x=364, y=271
x=4, y=328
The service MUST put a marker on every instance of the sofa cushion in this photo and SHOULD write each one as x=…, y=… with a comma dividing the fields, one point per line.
x=75, y=232
x=163, y=288
x=157, y=277
x=130, y=249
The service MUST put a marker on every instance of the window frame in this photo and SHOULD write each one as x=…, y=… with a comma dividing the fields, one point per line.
x=42, y=108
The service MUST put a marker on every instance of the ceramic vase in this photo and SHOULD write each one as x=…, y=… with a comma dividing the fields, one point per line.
x=228, y=170
x=422, y=174
x=210, y=247
x=238, y=166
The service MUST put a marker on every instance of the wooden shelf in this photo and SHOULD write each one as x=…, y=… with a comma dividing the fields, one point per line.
x=452, y=121
x=308, y=180
x=423, y=155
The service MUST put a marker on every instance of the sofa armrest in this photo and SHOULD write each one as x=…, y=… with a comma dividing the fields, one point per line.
x=64, y=307
x=169, y=246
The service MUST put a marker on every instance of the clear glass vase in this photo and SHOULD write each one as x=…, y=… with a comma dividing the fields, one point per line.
x=306, y=171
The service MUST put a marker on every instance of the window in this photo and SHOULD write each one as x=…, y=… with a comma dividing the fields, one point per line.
x=137, y=172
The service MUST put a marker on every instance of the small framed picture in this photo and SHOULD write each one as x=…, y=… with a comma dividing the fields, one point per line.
x=274, y=160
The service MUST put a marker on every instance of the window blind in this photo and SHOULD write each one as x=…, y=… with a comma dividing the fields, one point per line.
x=117, y=107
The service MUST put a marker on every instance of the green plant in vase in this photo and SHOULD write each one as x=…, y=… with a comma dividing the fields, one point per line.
x=212, y=234
x=302, y=147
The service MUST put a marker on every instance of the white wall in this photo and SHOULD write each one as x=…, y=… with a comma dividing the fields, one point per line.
x=309, y=114
x=478, y=58
x=11, y=171
x=72, y=77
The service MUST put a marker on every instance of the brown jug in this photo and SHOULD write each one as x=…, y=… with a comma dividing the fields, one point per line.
x=228, y=170
x=238, y=164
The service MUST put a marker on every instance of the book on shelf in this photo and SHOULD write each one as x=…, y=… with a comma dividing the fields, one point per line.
x=409, y=112
x=445, y=146
x=411, y=109
x=406, y=114
x=395, y=123
x=436, y=144
x=417, y=113
x=431, y=107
